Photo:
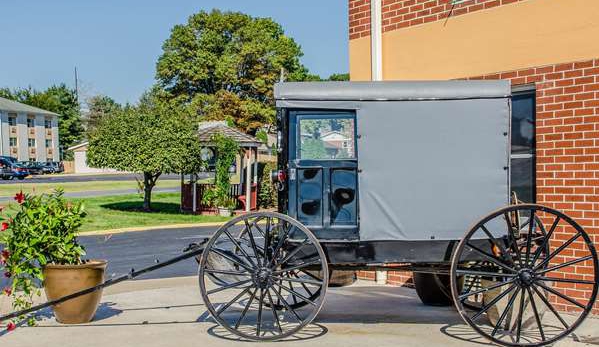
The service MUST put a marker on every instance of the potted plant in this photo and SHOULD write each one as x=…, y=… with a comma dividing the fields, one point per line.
x=40, y=248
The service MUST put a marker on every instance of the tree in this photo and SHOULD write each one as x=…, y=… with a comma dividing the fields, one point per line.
x=151, y=138
x=58, y=99
x=225, y=64
x=339, y=77
x=99, y=107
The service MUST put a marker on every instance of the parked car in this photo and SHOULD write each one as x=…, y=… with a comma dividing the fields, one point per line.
x=56, y=166
x=35, y=168
x=6, y=172
x=19, y=171
x=48, y=168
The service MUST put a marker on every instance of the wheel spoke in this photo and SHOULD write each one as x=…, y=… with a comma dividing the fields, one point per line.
x=282, y=239
x=561, y=295
x=239, y=247
x=284, y=302
x=246, y=308
x=228, y=272
x=274, y=311
x=564, y=280
x=557, y=251
x=550, y=307
x=512, y=238
x=505, y=311
x=260, y=303
x=293, y=292
x=483, y=273
x=252, y=241
x=294, y=252
x=299, y=266
x=546, y=240
x=298, y=280
x=493, y=239
x=229, y=258
x=266, y=242
x=226, y=306
x=492, y=302
x=520, y=311
x=496, y=285
x=568, y=263
x=536, y=312
x=528, y=240
x=490, y=258
x=228, y=286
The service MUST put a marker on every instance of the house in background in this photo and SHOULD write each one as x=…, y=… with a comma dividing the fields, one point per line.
x=28, y=133
x=80, y=160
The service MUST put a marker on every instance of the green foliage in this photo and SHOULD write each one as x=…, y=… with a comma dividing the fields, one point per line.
x=152, y=138
x=267, y=195
x=339, y=77
x=58, y=99
x=99, y=107
x=226, y=152
x=43, y=231
x=224, y=64
x=313, y=149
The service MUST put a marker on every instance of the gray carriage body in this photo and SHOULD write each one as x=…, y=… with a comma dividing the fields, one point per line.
x=432, y=157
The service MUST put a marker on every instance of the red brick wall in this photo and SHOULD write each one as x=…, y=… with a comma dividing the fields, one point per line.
x=359, y=18
x=404, y=13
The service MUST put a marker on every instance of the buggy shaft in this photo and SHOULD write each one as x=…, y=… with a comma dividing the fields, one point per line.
x=191, y=251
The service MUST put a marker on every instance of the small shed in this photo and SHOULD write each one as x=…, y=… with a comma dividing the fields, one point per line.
x=246, y=191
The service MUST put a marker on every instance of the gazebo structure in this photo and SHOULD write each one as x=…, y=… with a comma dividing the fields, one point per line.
x=245, y=191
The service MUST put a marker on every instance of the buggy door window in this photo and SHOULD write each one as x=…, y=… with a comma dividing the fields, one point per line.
x=326, y=137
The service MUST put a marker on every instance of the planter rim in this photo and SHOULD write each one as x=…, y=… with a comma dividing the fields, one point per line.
x=91, y=263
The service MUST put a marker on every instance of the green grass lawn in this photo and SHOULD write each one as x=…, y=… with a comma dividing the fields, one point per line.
x=123, y=211
x=12, y=188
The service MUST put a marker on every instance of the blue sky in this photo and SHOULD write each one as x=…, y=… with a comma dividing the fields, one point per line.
x=115, y=43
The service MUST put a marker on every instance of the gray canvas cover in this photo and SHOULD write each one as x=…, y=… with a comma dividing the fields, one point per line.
x=432, y=156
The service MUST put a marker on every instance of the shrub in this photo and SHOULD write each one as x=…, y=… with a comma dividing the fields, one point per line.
x=226, y=152
x=42, y=231
x=267, y=196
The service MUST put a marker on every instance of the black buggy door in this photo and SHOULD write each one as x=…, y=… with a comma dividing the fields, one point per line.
x=323, y=172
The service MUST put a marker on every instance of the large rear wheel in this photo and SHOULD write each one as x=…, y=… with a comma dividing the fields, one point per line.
x=259, y=267
x=537, y=273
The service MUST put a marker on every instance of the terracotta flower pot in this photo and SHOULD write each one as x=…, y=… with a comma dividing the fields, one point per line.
x=62, y=280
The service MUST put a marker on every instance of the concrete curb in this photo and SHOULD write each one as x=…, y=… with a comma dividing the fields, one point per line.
x=150, y=228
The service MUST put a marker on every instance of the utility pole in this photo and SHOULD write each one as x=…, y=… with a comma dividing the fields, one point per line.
x=76, y=85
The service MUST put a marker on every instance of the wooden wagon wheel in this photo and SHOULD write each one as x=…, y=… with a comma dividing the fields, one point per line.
x=257, y=260
x=526, y=282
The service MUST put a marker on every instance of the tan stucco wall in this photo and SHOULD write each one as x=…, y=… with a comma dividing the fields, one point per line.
x=510, y=37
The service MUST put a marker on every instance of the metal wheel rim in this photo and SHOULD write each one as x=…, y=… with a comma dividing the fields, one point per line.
x=205, y=296
x=531, y=207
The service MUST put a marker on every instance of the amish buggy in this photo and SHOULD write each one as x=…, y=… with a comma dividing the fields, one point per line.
x=397, y=176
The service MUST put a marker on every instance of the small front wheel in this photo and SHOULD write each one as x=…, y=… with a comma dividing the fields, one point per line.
x=259, y=266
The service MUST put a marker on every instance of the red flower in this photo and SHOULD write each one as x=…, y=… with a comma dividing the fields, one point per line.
x=20, y=197
x=11, y=326
x=4, y=226
x=7, y=291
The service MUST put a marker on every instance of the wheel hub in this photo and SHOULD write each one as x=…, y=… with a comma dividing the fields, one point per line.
x=262, y=277
x=526, y=277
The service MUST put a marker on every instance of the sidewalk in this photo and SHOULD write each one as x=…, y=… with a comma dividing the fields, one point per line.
x=170, y=312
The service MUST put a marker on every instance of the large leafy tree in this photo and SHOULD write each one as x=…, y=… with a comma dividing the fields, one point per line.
x=224, y=64
x=99, y=107
x=151, y=138
x=58, y=99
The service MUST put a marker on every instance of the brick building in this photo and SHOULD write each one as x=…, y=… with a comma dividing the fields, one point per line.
x=549, y=51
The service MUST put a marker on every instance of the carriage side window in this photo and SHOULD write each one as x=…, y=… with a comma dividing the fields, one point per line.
x=523, y=145
x=326, y=137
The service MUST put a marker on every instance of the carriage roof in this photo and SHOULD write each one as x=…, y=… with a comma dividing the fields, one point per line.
x=392, y=90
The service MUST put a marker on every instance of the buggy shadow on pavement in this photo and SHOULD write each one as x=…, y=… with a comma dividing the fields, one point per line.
x=170, y=312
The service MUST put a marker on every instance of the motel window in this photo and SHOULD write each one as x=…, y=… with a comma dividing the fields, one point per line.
x=48, y=143
x=30, y=122
x=31, y=142
x=48, y=124
x=12, y=142
x=522, y=157
x=12, y=119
